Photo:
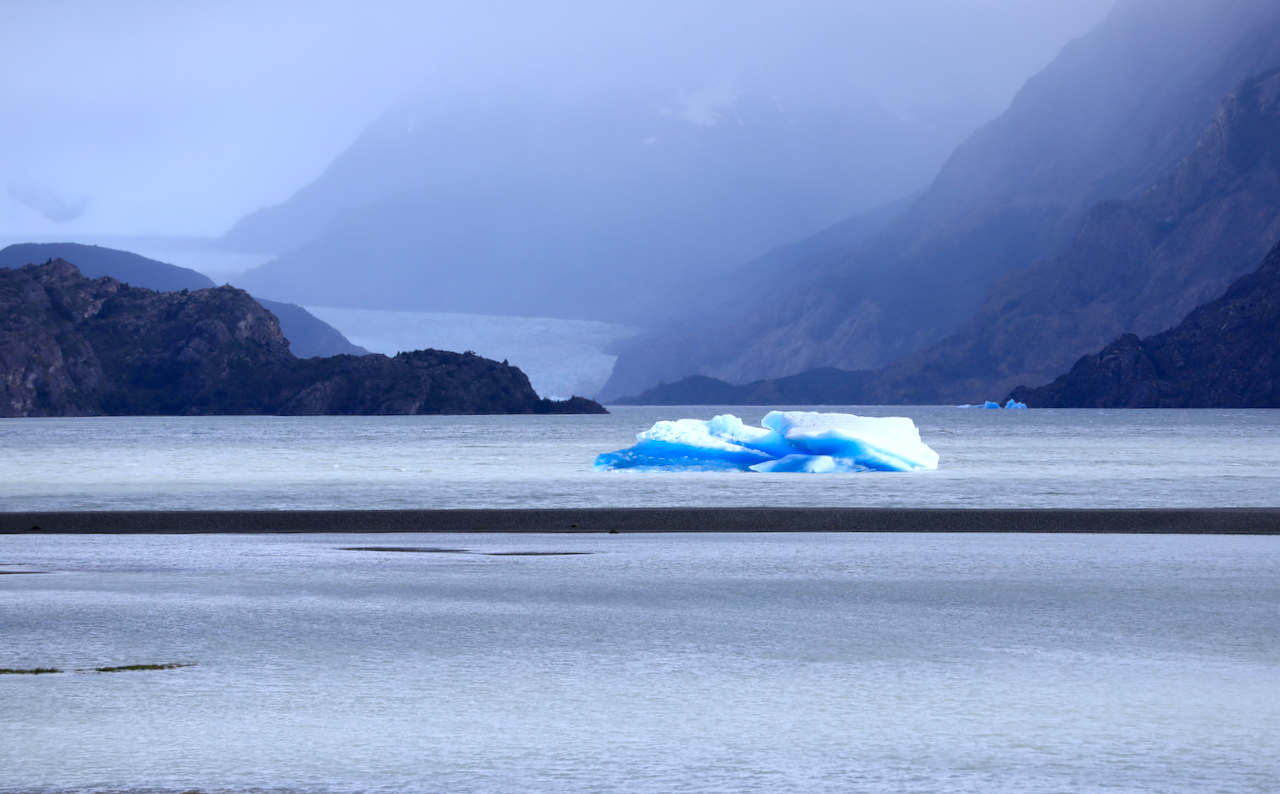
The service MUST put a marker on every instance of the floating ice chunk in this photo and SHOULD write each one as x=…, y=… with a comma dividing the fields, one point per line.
x=1011, y=405
x=884, y=443
x=791, y=441
x=718, y=444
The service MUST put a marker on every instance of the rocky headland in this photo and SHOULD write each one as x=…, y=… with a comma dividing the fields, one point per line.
x=72, y=346
x=1223, y=355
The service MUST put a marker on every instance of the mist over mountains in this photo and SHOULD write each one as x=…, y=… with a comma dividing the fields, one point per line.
x=783, y=216
x=592, y=202
x=1116, y=111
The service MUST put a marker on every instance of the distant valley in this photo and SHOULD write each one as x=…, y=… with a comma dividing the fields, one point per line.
x=605, y=203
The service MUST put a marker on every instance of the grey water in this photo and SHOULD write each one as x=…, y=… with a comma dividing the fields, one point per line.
x=641, y=663
x=1033, y=458
x=635, y=663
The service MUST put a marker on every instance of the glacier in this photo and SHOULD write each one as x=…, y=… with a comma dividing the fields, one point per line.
x=786, y=441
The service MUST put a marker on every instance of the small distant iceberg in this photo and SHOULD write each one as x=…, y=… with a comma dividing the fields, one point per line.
x=1009, y=406
x=787, y=441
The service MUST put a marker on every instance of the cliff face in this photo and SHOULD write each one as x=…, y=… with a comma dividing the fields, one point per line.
x=1117, y=109
x=70, y=346
x=1225, y=354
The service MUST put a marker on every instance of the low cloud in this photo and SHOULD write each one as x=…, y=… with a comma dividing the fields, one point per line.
x=47, y=203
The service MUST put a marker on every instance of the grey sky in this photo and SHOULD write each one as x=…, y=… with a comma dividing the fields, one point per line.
x=179, y=118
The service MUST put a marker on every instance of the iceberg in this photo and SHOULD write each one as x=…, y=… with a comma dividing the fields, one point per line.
x=786, y=441
x=1009, y=406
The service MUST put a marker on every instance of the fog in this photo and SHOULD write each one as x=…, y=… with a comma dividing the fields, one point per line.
x=180, y=119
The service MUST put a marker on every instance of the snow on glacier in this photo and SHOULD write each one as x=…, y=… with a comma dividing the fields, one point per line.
x=786, y=441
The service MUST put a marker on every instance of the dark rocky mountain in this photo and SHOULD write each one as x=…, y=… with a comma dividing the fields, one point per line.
x=1134, y=268
x=71, y=346
x=307, y=334
x=1114, y=112
x=1225, y=354
x=601, y=203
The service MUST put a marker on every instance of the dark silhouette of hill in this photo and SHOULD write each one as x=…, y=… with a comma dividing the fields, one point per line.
x=71, y=346
x=95, y=261
x=823, y=386
x=307, y=334
x=1119, y=108
x=1225, y=354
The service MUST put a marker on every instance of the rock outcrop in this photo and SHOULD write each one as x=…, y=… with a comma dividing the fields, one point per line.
x=71, y=346
x=1225, y=354
x=308, y=335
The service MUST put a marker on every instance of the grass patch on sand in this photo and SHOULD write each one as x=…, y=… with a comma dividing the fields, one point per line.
x=30, y=671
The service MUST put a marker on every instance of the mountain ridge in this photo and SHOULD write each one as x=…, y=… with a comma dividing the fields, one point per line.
x=1134, y=267
x=598, y=206
x=1117, y=109
x=1224, y=354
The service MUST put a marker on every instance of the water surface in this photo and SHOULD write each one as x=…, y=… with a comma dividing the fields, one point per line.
x=876, y=663
x=1044, y=458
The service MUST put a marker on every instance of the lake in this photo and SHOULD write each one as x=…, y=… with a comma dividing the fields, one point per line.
x=642, y=663
x=1032, y=458
x=337, y=664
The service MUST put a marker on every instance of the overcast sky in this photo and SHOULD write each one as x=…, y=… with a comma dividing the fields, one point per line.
x=179, y=118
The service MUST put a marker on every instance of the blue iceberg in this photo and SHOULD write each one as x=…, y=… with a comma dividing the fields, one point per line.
x=1009, y=406
x=787, y=441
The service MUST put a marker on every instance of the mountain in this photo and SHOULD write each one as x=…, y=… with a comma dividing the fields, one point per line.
x=71, y=346
x=307, y=334
x=95, y=261
x=822, y=386
x=1118, y=108
x=1225, y=354
x=1134, y=268
x=599, y=203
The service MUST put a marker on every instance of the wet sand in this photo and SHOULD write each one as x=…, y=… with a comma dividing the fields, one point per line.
x=1209, y=521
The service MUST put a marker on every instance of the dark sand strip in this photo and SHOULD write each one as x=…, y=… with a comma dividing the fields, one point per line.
x=1214, y=521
